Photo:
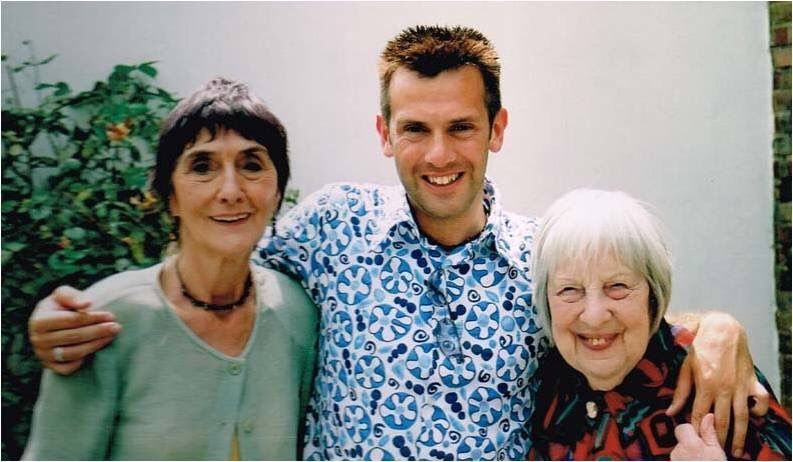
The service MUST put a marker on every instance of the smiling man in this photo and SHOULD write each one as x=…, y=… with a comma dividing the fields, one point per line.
x=428, y=337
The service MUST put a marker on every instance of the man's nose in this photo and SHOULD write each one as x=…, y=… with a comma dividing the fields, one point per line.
x=440, y=153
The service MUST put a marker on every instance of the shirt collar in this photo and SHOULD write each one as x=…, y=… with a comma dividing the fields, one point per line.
x=399, y=225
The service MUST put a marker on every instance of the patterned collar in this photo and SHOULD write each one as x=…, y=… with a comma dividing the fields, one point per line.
x=398, y=224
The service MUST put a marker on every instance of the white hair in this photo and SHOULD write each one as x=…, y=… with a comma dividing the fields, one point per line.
x=585, y=225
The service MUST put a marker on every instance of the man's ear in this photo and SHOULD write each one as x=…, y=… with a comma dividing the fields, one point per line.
x=497, y=131
x=382, y=129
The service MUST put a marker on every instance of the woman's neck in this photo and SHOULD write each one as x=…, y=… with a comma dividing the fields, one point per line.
x=212, y=279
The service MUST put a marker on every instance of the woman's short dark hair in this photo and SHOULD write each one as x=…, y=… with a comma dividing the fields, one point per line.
x=219, y=104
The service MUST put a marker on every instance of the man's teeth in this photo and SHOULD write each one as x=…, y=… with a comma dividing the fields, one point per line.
x=443, y=180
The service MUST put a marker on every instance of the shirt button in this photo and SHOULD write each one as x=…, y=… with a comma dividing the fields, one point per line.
x=234, y=369
x=247, y=426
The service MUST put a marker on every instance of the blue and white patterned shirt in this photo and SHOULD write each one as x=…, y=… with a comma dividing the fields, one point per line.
x=424, y=352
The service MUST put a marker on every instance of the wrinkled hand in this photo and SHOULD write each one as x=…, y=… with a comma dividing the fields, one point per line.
x=723, y=374
x=61, y=321
x=693, y=446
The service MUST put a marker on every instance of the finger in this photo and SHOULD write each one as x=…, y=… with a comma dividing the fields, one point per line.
x=760, y=398
x=75, y=336
x=64, y=368
x=722, y=417
x=703, y=401
x=59, y=320
x=67, y=297
x=682, y=390
x=708, y=430
x=685, y=434
x=740, y=412
x=71, y=353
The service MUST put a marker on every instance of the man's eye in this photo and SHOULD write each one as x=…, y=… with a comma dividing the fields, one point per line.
x=414, y=128
x=461, y=127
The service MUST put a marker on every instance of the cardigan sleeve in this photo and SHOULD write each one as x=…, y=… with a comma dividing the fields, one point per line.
x=74, y=416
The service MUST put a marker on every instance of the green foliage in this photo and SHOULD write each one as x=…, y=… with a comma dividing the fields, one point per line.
x=75, y=206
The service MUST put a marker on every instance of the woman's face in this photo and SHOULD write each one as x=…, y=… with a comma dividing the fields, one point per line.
x=600, y=318
x=225, y=190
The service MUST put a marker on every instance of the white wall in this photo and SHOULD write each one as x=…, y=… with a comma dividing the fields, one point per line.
x=670, y=102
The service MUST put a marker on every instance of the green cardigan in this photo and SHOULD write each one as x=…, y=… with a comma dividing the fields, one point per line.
x=160, y=392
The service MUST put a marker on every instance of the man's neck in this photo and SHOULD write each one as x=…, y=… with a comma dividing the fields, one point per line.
x=453, y=231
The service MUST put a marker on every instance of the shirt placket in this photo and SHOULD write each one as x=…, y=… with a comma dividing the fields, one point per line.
x=448, y=341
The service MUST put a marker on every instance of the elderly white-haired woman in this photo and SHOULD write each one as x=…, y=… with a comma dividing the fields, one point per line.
x=603, y=279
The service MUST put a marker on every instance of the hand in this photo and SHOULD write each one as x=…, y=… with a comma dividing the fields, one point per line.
x=61, y=321
x=691, y=446
x=724, y=377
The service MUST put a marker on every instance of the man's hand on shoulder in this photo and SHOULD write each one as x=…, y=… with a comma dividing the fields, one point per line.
x=719, y=366
x=64, y=332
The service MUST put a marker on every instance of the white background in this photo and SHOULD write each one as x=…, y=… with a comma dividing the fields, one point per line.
x=670, y=102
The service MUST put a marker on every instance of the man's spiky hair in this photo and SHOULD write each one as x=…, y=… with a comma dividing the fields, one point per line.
x=430, y=50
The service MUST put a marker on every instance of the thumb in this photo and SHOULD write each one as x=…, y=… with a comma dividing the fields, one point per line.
x=69, y=298
x=707, y=431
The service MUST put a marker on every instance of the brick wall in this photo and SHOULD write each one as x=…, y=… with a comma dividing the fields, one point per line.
x=779, y=22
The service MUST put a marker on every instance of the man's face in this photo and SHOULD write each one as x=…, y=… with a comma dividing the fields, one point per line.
x=439, y=137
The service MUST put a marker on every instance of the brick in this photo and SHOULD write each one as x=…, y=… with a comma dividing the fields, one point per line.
x=781, y=100
x=780, y=36
x=781, y=56
x=781, y=144
x=783, y=212
x=783, y=302
x=781, y=170
x=781, y=79
x=779, y=12
x=782, y=122
x=784, y=189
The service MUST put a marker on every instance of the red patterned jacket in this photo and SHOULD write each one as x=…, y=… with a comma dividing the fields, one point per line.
x=573, y=422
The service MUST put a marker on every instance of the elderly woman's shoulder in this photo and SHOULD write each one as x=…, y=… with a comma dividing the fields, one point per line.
x=128, y=290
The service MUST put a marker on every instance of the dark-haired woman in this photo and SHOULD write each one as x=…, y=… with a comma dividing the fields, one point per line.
x=216, y=356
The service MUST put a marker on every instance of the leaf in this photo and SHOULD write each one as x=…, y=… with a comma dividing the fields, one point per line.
x=47, y=59
x=40, y=213
x=62, y=89
x=122, y=264
x=75, y=233
x=15, y=150
x=14, y=246
x=147, y=69
x=70, y=164
x=122, y=70
x=135, y=177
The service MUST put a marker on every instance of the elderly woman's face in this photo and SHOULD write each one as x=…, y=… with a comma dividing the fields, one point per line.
x=600, y=318
x=225, y=190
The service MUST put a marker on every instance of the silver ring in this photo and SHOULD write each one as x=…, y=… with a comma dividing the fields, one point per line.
x=57, y=352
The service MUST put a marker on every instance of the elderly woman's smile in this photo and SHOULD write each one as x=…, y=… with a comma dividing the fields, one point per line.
x=599, y=318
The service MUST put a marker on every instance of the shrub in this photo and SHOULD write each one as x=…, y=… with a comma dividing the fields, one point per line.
x=75, y=205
